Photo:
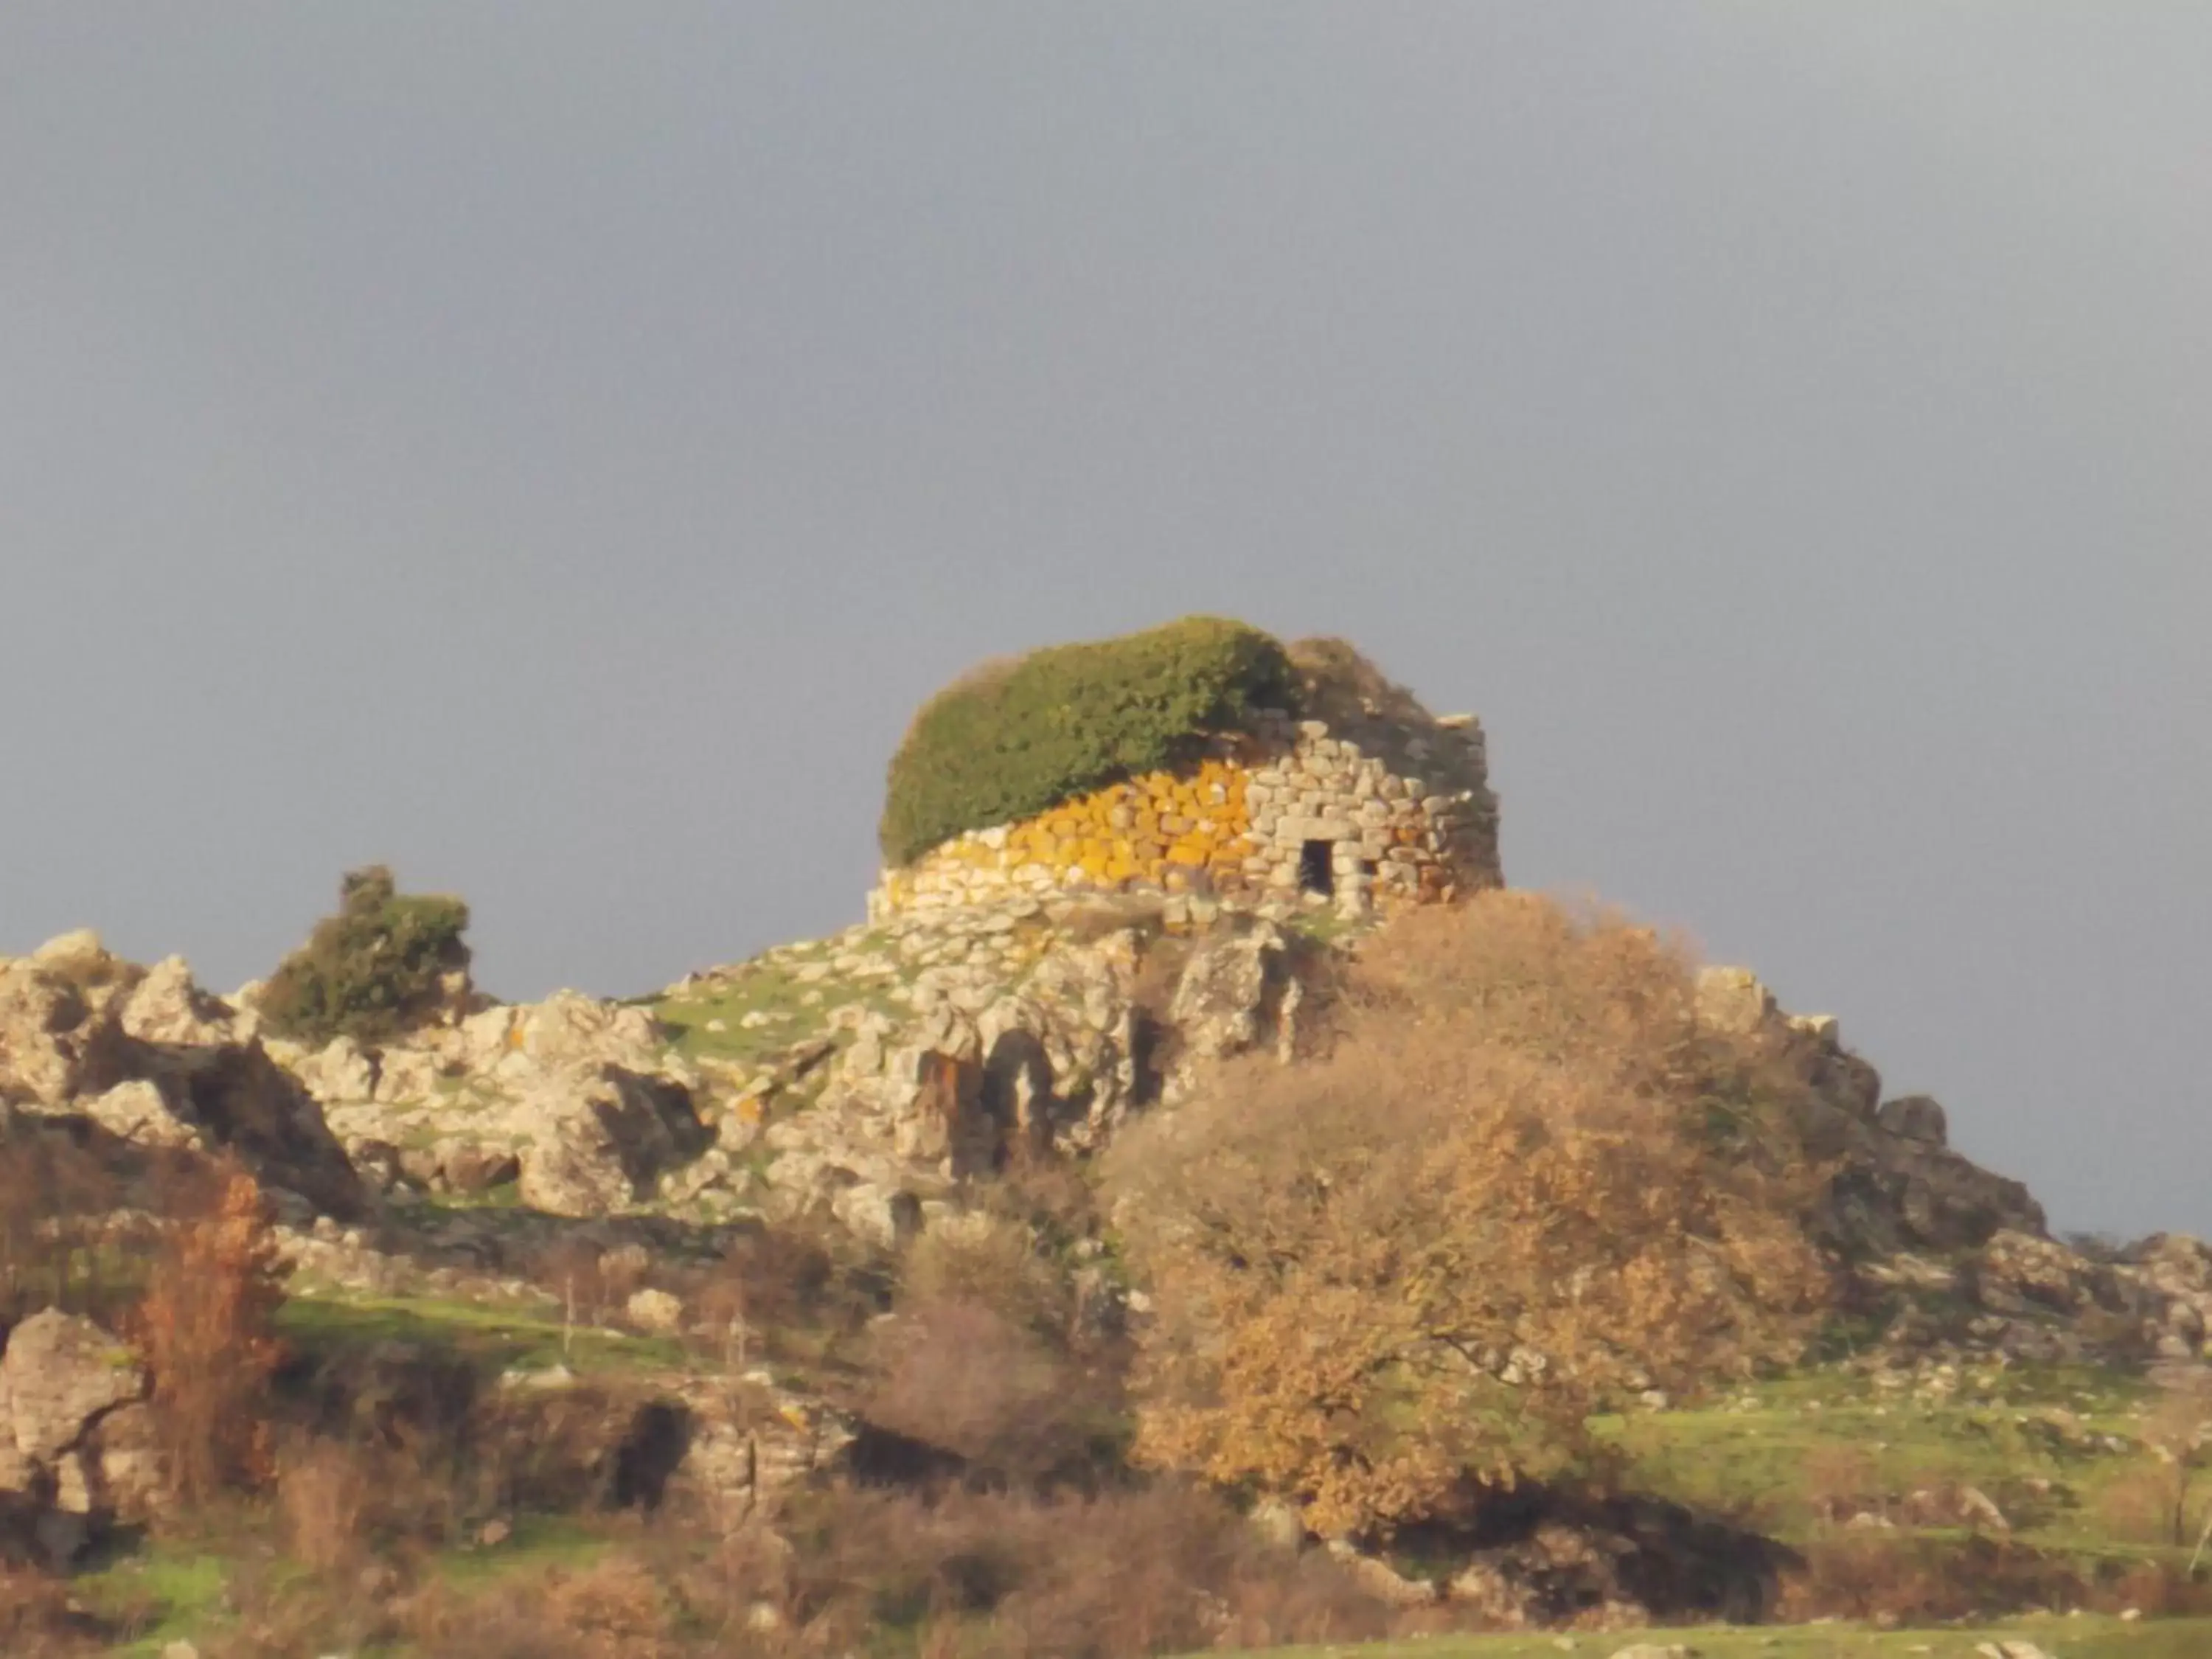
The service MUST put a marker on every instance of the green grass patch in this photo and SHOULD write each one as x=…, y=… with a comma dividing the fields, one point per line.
x=538, y=1541
x=2039, y=1443
x=165, y=1593
x=491, y=1338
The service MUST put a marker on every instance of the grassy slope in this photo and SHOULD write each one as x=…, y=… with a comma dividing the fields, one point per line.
x=2047, y=1445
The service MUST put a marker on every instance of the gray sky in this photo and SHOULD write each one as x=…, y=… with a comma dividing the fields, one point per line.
x=552, y=448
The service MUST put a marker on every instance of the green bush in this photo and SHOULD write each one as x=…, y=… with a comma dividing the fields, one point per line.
x=372, y=971
x=1011, y=739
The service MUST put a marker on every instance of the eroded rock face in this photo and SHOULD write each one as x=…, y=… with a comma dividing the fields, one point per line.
x=595, y=1143
x=1914, y=1117
x=1230, y=989
x=151, y=1058
x=1898, y=1186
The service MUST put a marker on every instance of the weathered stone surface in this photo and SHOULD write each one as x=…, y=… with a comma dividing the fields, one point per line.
x=598, y=1143
x=335, y=1074
x=72, y=954
x=151, y=1058
x=127, y=1466
x=657, y=1310
x=571, y=1030
x=166, y=1007
x=138, y=1112
x=1733, y=1000
x=1914, y=1117
x=58, y=1373
x=54, y=1042
x=1228, y=989
x=1893, y=1190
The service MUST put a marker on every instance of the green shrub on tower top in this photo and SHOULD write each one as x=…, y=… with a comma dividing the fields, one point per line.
x=1011, y=739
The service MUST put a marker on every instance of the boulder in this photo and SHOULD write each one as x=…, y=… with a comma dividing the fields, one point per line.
x=1734, y=1000
x=651, y=1310
x=336, y=1074
x=75, y=955
x=54, y=1043
x=137, y=1111
x=571, y=1031
x=1914, y=1117
x=126, y=1465
x=58, y=1373
x=598, y=1143
x=166, y=1007
x=1227, y=989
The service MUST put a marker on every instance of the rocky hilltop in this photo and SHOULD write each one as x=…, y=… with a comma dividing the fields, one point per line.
x=871, y=1076
x=1022, y=993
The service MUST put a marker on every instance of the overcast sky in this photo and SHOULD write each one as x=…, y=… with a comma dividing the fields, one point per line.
x=552, y=447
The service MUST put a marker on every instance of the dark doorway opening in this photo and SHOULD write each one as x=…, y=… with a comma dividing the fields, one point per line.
x=1317, y=867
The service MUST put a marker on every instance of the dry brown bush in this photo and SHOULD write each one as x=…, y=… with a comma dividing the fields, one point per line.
x=989, y=1262
x=326, y=1495
x=403, y=1494
x=787, y=1278
x=1113, y=1575
x=1911, y=1579
x=1841, y=1481
x=615, y=1607
x=1523, y=1144
x=2178, y=1433
x=964, y=1378
x=1168, y=1572
x=40, y=1619
x=2137, y=1505
x=54, y=1198
x=205, y=1329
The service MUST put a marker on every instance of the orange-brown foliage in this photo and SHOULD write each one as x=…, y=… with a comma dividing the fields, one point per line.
x=205, y=1327
x=1525, y=1183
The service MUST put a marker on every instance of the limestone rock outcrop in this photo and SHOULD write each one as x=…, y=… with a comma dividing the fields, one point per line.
x=1899, y=1185
x=149, y=1056
x=583, y=1100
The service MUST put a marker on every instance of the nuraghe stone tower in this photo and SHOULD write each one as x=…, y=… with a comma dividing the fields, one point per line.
x=1370, y=808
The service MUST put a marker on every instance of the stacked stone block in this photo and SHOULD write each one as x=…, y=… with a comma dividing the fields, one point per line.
x=1370, y=812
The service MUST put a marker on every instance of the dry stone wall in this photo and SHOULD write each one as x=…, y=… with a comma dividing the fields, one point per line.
x=1360, y=812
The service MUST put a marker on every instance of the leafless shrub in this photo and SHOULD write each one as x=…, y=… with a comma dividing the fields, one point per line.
x=205, y=1328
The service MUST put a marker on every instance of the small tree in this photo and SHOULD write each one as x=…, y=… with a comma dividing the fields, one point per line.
x=1525, y=1185
x=377, y=969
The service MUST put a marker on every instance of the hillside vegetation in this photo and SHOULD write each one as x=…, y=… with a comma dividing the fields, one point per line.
x=1077, y=1275
x=1524, y=1185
